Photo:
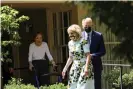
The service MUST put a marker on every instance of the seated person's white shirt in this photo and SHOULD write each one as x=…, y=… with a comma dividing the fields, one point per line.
x=38, y=52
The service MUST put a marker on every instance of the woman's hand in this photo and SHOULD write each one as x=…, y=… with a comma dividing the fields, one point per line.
x=86, y=72
x=11, y=70
x=30, y=66
x=54, y=65
x=63, y=75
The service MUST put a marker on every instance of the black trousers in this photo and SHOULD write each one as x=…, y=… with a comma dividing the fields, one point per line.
x=97, y=78
x=41, y=67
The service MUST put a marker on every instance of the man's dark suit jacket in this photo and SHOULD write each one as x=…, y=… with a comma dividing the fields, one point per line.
x=97, y=48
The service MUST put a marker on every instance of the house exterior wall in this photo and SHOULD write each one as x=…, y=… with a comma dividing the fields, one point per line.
x=20, y=56
x=34, y=1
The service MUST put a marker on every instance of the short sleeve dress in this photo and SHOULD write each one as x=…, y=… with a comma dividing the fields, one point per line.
x=77, y=51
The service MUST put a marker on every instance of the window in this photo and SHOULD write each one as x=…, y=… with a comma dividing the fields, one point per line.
x=61, y=21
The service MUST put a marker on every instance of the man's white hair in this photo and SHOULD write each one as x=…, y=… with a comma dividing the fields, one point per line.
x=83, y=21
x=74, y=28
x=88, y=19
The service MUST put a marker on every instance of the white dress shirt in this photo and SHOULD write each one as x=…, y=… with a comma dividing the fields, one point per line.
x=85, y=35
x=38, y=52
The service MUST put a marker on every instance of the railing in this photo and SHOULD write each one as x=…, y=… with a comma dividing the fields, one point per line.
x=104, y=64
x=121, y=69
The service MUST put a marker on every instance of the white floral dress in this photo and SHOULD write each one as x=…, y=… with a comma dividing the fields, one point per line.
x=76, y=80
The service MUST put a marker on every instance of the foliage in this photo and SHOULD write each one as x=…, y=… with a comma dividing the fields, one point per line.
x=127, y=80
x=114, y=78
x=54, y=86
x=117, y=15
x=9, y=25
x=113, y=75
x=17, y=84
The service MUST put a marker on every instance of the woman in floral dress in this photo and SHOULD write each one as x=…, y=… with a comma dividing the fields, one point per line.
x=80, y=75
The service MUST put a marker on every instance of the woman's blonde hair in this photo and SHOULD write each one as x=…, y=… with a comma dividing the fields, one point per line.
x=75, y=28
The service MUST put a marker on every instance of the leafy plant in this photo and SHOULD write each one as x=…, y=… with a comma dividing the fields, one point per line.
x=127, y=80
x=114, y=78
x=57, y=86
x=17, y=84
x=113, y=75
x=10, y=24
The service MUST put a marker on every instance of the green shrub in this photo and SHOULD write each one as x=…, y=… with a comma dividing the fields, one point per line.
x=57, y=86
x=17, y=84
x=114, y=78
x=54, y=86
x=127, y=80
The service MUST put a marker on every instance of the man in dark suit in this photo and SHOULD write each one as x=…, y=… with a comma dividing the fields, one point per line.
x=97, y=49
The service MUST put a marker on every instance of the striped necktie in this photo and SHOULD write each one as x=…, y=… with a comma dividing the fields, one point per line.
x=88, y=38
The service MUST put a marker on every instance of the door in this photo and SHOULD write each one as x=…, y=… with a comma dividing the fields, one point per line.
x=58, y=37
x=37, y=23
x=61, y=21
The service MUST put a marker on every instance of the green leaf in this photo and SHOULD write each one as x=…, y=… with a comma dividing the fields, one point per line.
x=10, y=23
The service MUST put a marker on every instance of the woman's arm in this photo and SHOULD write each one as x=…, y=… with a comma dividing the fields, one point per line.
x=50, y=56
x=30, y=57
x=48, y=52
x=30, y=53
x=87, y=62
x=69, y=61
x=86, y=48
